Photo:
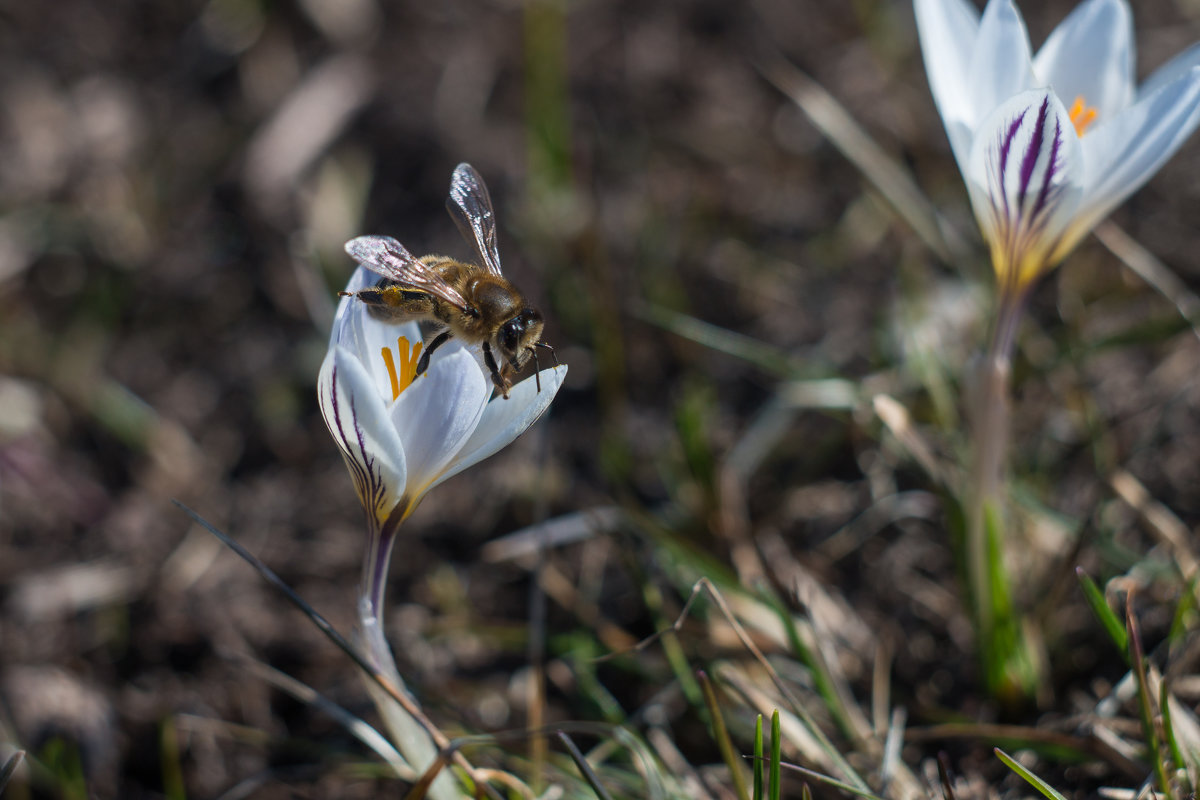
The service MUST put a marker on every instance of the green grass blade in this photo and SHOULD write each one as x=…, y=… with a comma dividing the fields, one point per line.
x=1108, y=618
x=822, y=680
x=1183, y=611
x=1033, y=780
x=762, y=355
x=1164, y=703
x=172, y=768
x=758, y=758
x=776, y=748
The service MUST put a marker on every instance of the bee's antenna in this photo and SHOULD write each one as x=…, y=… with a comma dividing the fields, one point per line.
x=548, y=347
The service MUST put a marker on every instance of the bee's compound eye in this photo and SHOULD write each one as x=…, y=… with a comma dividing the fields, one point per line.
x=513, y=331
x=510, y=334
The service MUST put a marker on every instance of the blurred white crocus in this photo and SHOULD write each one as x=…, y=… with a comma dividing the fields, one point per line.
x=1050, y=144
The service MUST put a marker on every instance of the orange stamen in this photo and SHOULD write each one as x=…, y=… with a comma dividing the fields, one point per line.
x=409, y=356
x=408, y=362
x=1082, y=115
x=391, y=368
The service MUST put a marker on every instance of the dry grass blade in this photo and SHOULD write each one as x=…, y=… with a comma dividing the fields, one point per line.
x=721, y=735
x=577, y=526
x=892, y=181
x=689, y=778
x=1096, y=745
x=812, y=730
x=353, y=725
x=584, y=767
x=943, y=768
x=829, y=781
x=10, y=767
x=892, y=746
x=1156, y=274
x=304, y=126
x=897, y=419
x=1160, y=520
x=420, y=789
x=1145, y=703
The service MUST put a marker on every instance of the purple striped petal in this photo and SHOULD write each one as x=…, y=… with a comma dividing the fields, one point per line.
x=357, y=418
x=1025, y=177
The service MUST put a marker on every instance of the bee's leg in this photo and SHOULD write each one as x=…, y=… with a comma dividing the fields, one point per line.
x=372, y=297
x=537, y=367
x=434, y=344
x=488, y=359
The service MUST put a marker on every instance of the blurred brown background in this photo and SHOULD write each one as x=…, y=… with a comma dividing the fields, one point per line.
x=176, y=181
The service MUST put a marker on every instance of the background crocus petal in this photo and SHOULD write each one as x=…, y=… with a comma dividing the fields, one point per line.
x=1090, y=55
x=437, y=414
x=1002, y=62
x=505, y=420
x=1124, y=153
x=1171, y=71
x=358, y=420
x=947, y=30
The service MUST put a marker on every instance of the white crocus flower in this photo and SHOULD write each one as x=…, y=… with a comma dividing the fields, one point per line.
x=1050, y=144
x=402, y=434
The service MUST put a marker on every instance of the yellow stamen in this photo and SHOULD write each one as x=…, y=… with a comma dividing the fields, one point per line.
x=1082, y=115
x=409, y=356
x=408, y=361
x=391, y=368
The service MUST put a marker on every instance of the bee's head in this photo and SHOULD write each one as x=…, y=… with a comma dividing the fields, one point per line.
x=516, y=338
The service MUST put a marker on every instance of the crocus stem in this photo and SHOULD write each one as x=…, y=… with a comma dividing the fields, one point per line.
x=408, y=735
x=990, y=407
x=370, y=597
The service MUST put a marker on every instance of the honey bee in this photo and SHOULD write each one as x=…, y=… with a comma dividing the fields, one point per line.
x=474, y=302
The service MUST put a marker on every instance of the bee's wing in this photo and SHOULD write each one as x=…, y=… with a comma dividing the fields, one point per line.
x=470, y=206
x=387, y=257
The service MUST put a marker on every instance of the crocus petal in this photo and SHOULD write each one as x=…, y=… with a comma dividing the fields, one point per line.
x=358, y=419
x=1123, y=154
x=947, y=30
x=361, y=278
x=437, y=414
x=1090, y=56
x=505, y=420
x=1025, y=179
x=1002, y=63
x=1171, y=71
